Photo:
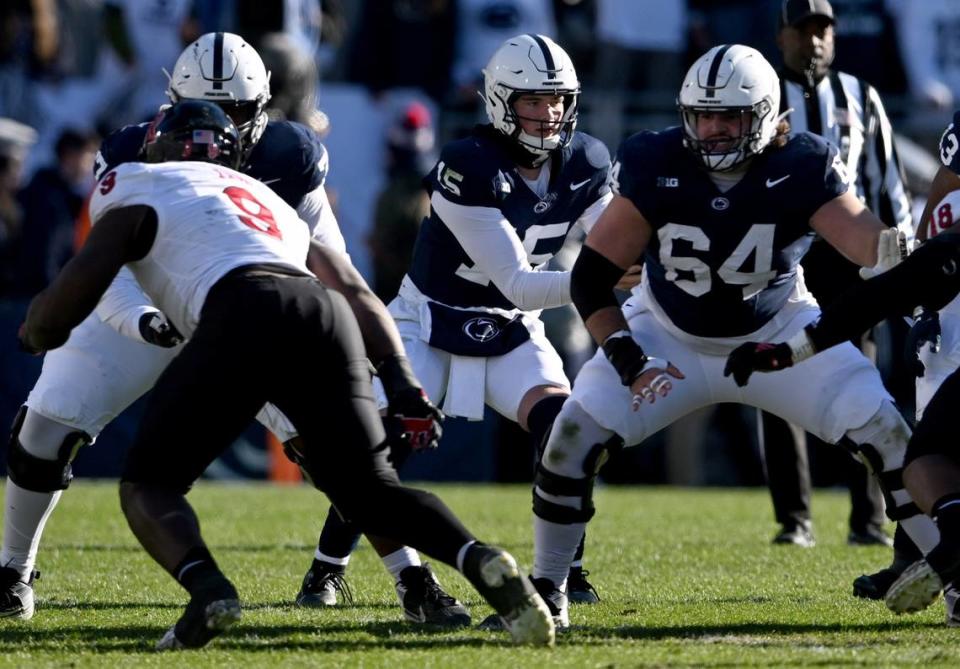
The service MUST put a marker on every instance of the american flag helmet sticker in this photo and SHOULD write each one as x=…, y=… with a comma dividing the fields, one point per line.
x=203, y=137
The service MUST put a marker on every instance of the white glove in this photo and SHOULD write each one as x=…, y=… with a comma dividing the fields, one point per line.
x=891, y=249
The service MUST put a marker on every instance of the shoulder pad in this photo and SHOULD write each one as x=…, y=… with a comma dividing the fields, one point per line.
x=120, y=146
x=469, y=173
x=596, y=152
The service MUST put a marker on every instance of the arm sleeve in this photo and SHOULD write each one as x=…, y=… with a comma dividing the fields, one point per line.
x=493, y=245
x=315, y=210
x=882, y=173
x=123, y=304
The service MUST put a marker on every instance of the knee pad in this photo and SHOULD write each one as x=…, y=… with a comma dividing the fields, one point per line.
x=567, y=500
x=881, y=445
x=41, y=474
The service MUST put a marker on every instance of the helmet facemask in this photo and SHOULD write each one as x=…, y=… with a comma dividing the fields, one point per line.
x=722, y=153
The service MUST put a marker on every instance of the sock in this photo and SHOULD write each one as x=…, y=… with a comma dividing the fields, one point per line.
x=554, y=548
x=338, y=538
x=540, y=420
x=25, y=515
x=399, y=560
x=196, y=569
x=329, y=563
x=578, y=556
x=946, y=513
x=462, y=553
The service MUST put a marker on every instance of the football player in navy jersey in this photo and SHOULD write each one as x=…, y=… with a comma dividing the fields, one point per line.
x=117, y=354
x=925, y=285
x=722, y=209
x=502, y=202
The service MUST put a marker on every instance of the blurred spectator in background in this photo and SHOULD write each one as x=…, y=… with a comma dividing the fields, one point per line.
x=52, y=202
x=403, y=44
x=640, y=52
x=747, y=22
x=147, y=36
x=26, y=35
x=403, y=203
x=864, y=34
x=15, y=140
x=293, y=82
x=929, y=33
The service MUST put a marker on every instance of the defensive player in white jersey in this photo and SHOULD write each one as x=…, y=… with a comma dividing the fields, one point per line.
x=116, y=355
x=223, y=256
x=722, y=209
x=502, y=202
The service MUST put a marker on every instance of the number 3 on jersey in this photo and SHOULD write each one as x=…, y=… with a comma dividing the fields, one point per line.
x=257, y=216
x=758, y=241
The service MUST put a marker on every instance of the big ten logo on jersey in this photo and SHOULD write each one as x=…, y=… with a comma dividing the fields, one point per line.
x=757, y=243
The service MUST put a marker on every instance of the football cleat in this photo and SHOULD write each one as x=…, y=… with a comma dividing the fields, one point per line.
x=322, y=584
x=210, y=611
x=796, y=534
x=425, y=602
x=916, y=589
x=552, y=596
x=494, y=573
x=951, y=596
x=869, y=535
x=579, y=589
x=875, y=585
x=16, y=596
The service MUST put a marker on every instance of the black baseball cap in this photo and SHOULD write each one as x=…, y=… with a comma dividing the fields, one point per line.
x=793, y=12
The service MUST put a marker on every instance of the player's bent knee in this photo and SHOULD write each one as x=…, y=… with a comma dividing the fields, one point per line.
x=36, y=463
x=565, y=500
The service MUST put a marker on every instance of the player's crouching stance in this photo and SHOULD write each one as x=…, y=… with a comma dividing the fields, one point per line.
x=929, y=280
x=212, y=247
x=722, y=209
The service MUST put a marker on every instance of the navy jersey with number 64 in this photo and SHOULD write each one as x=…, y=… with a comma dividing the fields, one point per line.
x=477, y=172
x=722, y=264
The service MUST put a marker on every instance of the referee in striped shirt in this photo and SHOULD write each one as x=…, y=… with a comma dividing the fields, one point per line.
x=847, y=112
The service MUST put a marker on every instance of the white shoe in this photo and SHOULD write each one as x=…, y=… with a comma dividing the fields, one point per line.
x=916, y=589
x=16, y=597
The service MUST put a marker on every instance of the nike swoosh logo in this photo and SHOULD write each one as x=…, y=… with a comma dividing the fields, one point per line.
x=576, y=186
x=270, y=181
x=771, y=182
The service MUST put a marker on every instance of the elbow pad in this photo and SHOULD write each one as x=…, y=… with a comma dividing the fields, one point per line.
x=591, y=282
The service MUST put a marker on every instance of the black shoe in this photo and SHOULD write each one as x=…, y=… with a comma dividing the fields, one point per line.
x=494, y=573
x=211, y=610
x=322, y=584
x=796, y=534
x=552, y=596
x=16, y=596
x=875, y=586
x=579, y=589
x=869, y=535
x=424, y=601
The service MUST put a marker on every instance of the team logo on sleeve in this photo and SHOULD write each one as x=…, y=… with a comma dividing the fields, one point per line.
x=481, y=329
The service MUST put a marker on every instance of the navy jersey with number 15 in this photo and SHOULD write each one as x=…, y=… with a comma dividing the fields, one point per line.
x=476, y=172
x=722, y=264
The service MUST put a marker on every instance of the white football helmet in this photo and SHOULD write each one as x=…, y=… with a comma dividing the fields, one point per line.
x=730, y=78
x=223, y=68
x=524, y=65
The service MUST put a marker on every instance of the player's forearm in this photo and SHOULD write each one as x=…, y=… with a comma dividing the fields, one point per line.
x=593, y=278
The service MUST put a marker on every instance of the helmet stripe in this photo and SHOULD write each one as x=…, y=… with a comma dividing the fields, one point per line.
x=715, y=68
x=547, y=56
x=218, y=61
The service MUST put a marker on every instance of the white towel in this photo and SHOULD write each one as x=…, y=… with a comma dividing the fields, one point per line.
x=466, y=387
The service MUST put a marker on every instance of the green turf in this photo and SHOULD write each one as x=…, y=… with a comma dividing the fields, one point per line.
x=687, y=576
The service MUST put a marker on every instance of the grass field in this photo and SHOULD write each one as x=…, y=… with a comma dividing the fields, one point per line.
x=688, y=578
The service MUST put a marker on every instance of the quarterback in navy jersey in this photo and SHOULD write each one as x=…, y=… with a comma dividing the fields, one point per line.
x=721, y=209
x=502, y=203
x=117, y=354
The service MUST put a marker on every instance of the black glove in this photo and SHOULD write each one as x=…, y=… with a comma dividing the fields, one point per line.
x=157, y=330
x=418, y=419
x=626, y=356
x=756, y=357
x=925, y=330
